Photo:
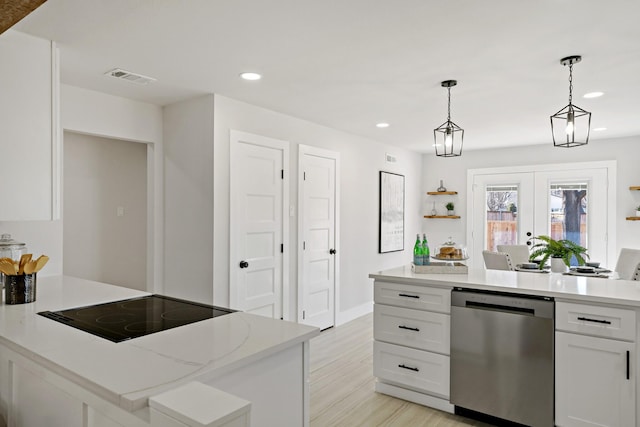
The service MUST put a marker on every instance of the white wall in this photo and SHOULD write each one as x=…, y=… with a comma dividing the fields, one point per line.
x=101, y=175
x=95, y=113
x=189, y=199
x=625, y=151
x=361, y=160
x=88, y=112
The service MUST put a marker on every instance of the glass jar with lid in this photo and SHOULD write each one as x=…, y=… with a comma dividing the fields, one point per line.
x=450, y=251
x=10, y=248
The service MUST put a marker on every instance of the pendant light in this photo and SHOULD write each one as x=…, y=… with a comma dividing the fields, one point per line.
x=570, y=126
x=448, y=137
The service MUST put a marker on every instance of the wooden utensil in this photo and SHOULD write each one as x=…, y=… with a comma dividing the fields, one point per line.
x=40, y=262
x=24, y=259
x=9, y=267
x=30, y=266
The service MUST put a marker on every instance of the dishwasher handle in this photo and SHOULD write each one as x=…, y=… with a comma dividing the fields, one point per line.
x=502, y=308
x=522, y=305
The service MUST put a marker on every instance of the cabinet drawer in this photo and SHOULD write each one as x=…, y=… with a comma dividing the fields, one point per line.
x=410, y=368
x=419, y=329
x=411, y=296
x=600, y=321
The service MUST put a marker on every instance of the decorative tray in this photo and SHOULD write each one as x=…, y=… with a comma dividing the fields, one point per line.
x=449, y=259
x=531, y=270
x=575, y=273
x=449, y=267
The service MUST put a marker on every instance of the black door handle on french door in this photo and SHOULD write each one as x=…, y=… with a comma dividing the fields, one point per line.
x=244, y=264
x=332, y=251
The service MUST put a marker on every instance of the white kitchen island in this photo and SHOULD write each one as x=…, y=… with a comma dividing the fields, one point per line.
x=53, y=374
x=596, y=336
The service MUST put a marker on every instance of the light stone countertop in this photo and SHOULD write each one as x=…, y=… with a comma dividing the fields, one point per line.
x=129, y=372
x=557, y=285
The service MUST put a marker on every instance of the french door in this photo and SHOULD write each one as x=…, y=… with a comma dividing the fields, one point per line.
x=573, y=202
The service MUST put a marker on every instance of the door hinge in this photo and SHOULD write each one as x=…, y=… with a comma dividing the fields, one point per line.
x=281, y=173
x=304, y=314
x=304, y=176
x=304, y=246
x=281, y=248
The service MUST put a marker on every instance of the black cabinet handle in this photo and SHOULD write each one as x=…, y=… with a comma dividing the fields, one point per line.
x=409, y=328
x=586, y=319
x=409, y=296
x=403, y=366
x=244, y=264
x=628, y=366
x=332, y=251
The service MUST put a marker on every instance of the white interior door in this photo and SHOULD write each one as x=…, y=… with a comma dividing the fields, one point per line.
x=257, y=224
x=317, y=232
x=542, y=207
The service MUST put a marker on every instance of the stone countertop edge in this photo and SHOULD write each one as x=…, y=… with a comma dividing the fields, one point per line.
x=556, y=285
x=46, y=349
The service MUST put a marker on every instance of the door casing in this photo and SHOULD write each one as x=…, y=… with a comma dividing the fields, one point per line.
x=314, y=151
x=238, y=137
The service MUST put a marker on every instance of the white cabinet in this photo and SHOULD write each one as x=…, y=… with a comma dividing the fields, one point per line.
x=595, y=374
x=411, y=329
x=29, y=150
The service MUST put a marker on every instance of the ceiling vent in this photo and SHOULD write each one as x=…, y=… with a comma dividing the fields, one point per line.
x=129, y=76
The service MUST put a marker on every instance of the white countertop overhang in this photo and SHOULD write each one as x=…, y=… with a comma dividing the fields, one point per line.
x=129, y=372
x=559, y=286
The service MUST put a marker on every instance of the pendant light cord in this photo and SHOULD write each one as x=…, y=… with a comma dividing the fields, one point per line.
x=449, y=105
x=570, y=83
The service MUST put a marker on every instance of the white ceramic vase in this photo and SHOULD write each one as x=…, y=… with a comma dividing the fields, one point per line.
x=558, y=265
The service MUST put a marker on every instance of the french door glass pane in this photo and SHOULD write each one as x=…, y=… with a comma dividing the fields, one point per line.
x=501, y=216
x=568, y=212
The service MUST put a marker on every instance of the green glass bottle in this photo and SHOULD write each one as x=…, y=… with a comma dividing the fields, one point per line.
x=425, y=251
x=417, y=252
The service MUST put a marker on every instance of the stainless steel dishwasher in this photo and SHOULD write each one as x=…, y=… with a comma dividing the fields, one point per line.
x=502, y=348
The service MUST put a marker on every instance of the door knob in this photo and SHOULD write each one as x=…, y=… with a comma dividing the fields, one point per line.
x=528, y=234
x=528, y=242
x=244, y=264
x=332, y=251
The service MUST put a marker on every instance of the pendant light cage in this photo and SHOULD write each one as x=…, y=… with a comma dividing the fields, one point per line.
x=448, y=138
x=570, y=127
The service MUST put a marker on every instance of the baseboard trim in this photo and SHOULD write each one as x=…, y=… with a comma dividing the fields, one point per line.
x=415, y=397
x=353, y=313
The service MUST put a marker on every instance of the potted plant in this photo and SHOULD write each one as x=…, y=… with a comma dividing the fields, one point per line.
x=559, y=252
x=450, y=207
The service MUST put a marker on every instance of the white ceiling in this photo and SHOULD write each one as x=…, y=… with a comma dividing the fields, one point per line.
x=349, y=64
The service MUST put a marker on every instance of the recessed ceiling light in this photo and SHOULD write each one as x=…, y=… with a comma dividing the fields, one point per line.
x=599, y=129
x=382, y=125
x=251, y=76
x=593, y=95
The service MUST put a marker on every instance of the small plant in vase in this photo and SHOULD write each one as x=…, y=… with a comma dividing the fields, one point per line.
x=560, y=252
x=450, y=208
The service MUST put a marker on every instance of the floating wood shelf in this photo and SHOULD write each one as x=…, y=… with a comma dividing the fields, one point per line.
x=633, y=218
x=443, y=216
x=441, y=193
x=637, y=188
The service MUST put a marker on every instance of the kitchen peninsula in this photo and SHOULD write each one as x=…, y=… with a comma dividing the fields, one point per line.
x=51, y=371
x=595, y=336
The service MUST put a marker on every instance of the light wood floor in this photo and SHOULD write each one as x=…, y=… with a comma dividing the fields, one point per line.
x=342, y=385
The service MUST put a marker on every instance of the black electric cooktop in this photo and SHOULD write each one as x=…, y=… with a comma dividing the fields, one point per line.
x=132, y=318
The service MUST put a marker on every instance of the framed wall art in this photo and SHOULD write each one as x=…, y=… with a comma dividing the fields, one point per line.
x=391, y=212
